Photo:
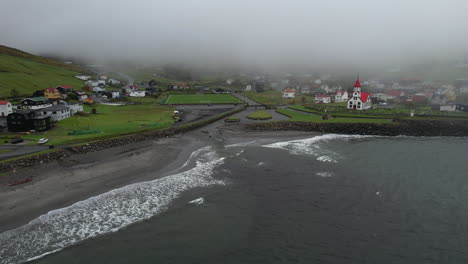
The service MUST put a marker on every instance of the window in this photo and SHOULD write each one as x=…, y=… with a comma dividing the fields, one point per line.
x=54, y=112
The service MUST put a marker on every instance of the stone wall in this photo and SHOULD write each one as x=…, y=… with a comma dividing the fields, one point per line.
x=402, y=127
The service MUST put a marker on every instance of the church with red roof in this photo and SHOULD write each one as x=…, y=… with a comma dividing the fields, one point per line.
x=359, y=100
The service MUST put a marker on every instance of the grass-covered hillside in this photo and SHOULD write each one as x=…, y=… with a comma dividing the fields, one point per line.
x=26, y=73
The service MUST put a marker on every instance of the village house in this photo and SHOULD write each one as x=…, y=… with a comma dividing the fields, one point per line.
x=74, y=107
x=98, y=89
x=64, y=89
x=52, y=94
x=305, y=89
x=83, y=77
x=27, y=120
x=34, y=103
x=289, y=93
x=359, y=100
x=341, y=96
x=115, y=93
x=322, y=99
x=5, y=108
x=382, y=97
x=56, y=112
x=81, y=95
x=103, y=77
x=137, y=93
x=113, y=82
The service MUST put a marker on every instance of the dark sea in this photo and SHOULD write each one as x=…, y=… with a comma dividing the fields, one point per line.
x=324, y=199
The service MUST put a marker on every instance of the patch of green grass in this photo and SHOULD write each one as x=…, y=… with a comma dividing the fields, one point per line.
x=232, y=119
x=29, y=155
x=296, y=116
x=26, y=76
x=260, y=115
x=108, y=122
x=202, y=99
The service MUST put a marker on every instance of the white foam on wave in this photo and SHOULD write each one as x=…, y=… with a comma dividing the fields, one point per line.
x=310, y=146
x=104, y=213
x=198, y=201
x=241, y=144
x=324, y=174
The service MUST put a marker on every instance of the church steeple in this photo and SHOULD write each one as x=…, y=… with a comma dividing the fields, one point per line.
x=357, y=85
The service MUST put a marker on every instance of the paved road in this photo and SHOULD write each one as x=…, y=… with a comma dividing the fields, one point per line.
x=249, y=101
x=19, y=150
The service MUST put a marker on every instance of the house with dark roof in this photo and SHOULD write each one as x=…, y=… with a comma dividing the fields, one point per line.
x=322, y=99
x=359, y=100
x=34, y=103
x=26, y=120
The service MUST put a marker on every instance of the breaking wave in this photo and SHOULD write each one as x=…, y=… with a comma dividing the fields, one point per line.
x=314, y=147
x=104, y=213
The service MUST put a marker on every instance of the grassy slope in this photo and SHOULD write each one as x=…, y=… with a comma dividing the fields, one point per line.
x=27, y=73
x=201, y=99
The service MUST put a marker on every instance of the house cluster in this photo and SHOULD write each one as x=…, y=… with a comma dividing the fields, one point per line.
x=37, y=113
x=44, y=107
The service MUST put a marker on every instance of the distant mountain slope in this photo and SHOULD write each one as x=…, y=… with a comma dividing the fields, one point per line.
x=27, y=73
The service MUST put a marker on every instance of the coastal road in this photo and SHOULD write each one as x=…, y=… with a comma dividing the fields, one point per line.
x=19, y=150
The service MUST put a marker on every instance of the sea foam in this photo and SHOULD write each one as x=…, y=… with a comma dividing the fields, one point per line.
x=104, y=213
x=314, y=146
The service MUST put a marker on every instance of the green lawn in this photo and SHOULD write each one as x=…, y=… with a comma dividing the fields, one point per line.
x=260, y=115
x=202, y=99
x=296, y=116
x=109, y=121
x=27, y=76
x=275, y=98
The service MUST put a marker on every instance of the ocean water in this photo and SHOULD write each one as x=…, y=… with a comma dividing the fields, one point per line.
x=323, y=199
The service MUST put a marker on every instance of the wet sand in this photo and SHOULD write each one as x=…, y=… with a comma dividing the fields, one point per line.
x=62, y=183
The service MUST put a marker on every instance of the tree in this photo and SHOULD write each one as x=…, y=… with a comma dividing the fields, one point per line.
x=14, y=92
x=93, y=111
x=303, y=99
x=72, y=96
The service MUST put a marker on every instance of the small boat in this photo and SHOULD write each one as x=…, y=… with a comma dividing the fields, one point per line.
x=42, y=141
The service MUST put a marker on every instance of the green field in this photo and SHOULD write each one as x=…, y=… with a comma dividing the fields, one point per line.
x=260, y=115
x=202, y=99
x=109, y=121
x=27, y=76
x=296, y=116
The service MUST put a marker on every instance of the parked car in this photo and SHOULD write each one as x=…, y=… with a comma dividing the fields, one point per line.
x=42, y=141
x=16, y=140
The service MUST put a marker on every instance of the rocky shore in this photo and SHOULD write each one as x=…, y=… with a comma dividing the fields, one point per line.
x=426, y=128
x=59, y=154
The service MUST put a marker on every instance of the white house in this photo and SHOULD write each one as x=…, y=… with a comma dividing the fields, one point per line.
x=248, y=88
x=383, y=96
x=103, y=77
x=322, y=98
x=98, y=89
x=289, y=93
x=448, y=108
x=92, y=83
x=83, y=77
x=359, y=100
x=115, y=93
x=74, y=107
x=101, y=82
x=5, y=108
x=56, y=112
x=341, y=96
x=113, y=81
x=81, y=95
x=137, y=93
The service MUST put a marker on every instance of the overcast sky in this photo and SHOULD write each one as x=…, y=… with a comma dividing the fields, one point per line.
x=239, y=31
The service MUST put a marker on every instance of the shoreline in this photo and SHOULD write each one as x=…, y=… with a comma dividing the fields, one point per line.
x=64, y=182
x=79, y=176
